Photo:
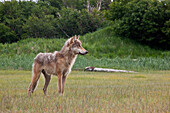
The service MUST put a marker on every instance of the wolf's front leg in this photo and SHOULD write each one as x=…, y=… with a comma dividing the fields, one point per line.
x=60, y=84
x=63, y=83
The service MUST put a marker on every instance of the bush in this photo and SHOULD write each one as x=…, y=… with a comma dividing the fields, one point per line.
x=6, y=35
x=39, y=27
x=72, y=22
x=143, y=20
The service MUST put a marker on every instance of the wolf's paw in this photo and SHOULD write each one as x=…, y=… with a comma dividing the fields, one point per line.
x=29, y=94
x=46, y=95
x=61, y=94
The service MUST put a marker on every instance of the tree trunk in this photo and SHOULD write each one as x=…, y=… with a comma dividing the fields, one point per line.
x=99, y=4
x=88, y=5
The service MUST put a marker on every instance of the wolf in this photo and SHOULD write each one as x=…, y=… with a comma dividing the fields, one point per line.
x=58, y=63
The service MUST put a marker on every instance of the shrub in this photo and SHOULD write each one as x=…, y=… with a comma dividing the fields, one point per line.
x=72, y=22
x=6, y=35
x=39, y=27
x=143, y=20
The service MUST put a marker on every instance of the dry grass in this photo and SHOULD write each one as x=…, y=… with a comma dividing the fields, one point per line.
x=88, y=92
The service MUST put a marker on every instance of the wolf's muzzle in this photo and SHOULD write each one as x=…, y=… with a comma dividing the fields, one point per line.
x=86, y=52
x=83, y=53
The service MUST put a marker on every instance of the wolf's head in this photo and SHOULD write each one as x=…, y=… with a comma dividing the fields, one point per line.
x=75, y=46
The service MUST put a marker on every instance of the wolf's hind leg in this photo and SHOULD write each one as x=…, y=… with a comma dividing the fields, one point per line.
x=35, y=78
x=47, y=81
x=35, y=84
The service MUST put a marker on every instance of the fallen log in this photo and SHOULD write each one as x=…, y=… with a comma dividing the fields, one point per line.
x=106, y=70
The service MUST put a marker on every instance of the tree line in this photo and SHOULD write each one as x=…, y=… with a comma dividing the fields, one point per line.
x=49, y=18
x=146, y=21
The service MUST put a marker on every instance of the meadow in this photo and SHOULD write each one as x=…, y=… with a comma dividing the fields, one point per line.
x=124, y=35
x=142, y=92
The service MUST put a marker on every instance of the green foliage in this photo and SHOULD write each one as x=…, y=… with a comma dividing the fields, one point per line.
x=16, y=62
x=6, y=35
x=31, y=46
x=75, y=4
x=11, y=15
x=141, y=63
x=39, y=27
x=77, y=22
x=24, y=62
x=143, y=20
x=55, y=3
x=111, y=46
x=104, y=43
x=45, y=19
x=166, y=29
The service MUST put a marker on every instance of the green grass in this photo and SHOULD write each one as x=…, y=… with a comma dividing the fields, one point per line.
x=100, y=44
x=104, y=43
x=105, y=50
x=88, y=92
x=139, y=64
x=24, y=62
x=31, y=46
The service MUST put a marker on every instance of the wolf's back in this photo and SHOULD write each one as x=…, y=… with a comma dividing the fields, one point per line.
x=44, y=58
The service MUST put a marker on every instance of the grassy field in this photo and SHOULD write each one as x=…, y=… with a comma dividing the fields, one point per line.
x=143, y=92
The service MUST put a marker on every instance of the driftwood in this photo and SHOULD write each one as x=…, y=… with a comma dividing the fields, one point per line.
x=106, y=70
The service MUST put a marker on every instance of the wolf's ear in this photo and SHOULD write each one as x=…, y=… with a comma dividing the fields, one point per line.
x=73, y=39
x=78, y=37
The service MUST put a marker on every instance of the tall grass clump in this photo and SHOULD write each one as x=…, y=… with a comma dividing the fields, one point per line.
x=24, y=62
x=138, y=64
x=19, y=62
